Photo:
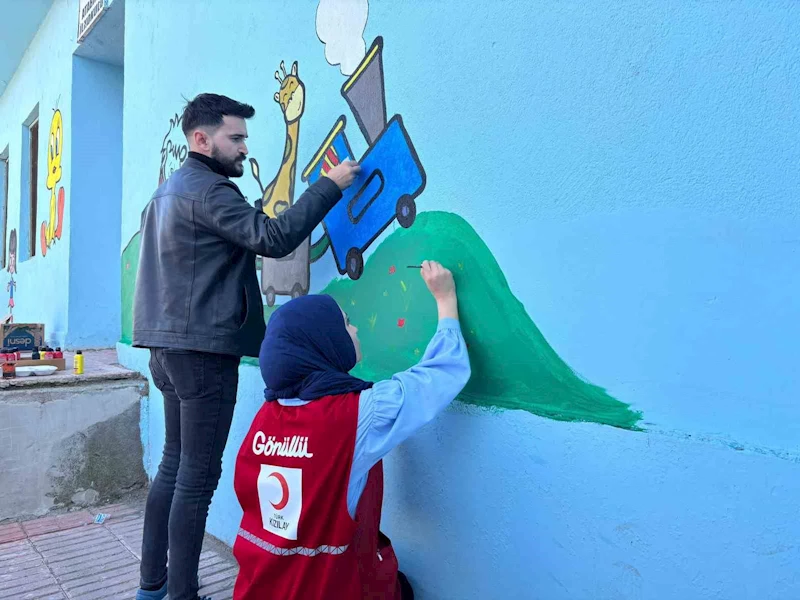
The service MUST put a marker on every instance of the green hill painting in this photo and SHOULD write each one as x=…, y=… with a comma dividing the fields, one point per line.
x=513, y=366
x=130, y=262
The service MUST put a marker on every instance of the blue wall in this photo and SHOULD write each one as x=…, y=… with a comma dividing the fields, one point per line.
x=94, y=285
x=74, y=288
x=43, y=77
x=634, y=171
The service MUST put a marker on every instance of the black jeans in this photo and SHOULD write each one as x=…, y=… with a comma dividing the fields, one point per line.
x=199, y=396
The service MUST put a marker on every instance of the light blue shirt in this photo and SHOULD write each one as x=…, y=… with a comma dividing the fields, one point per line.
x=393, y=410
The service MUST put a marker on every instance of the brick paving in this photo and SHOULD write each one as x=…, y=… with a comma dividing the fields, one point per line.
x=70, y=557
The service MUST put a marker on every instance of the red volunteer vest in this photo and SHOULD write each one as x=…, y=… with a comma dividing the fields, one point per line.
x=297, y=540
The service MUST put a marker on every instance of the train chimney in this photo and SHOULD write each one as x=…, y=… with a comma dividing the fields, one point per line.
x=365, y=94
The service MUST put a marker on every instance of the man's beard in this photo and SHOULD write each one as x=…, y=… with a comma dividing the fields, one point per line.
x=233, y=167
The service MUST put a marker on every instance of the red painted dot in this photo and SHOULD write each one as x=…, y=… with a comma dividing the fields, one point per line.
x=401, y=322
x=392, y=270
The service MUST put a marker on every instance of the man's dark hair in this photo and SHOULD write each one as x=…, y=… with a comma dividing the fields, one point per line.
x=207, y=110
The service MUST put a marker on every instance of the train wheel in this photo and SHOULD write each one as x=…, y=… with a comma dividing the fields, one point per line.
x=270, y=297
x=355, y=263
x=406, y=211
x=297, y=291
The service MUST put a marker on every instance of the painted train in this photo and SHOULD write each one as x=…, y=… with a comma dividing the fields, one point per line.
x=391, y=178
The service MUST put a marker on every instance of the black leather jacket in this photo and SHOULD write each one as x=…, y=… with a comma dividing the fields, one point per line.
x=196, y=287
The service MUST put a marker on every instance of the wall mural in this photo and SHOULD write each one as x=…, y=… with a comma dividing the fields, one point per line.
x=391, y=174
x=392, y=177
x=52, y=228
x=130, y=262
x=340, y=26
x=12, y=270
x=279, y=193
x=291, y=274
x=174, y=149
x=514, y=367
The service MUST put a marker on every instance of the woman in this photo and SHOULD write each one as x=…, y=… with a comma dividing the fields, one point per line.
x=309, y=475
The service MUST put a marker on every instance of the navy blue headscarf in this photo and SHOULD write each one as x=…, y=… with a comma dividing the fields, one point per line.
x=307, y=352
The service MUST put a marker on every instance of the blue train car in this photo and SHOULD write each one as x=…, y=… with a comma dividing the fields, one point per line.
x=391, y=178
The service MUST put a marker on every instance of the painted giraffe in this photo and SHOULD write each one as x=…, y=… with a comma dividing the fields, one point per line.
x=279, y=194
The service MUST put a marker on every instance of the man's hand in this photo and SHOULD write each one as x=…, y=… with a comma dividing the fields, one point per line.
x=441, y=284
x=343, y=174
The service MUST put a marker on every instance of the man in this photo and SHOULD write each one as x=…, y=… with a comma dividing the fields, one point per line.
x=198, y=308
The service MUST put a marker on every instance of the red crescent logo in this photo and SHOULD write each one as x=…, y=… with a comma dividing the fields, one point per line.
x=284, y=491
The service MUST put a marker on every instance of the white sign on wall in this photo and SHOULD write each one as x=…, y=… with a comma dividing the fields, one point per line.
x=89, y=12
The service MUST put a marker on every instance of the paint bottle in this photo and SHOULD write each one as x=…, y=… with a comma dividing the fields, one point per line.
x=35, y=354
x=9, y=370
x=17, y=354
x=48, y=353
x=58, y=353
x=78, y=363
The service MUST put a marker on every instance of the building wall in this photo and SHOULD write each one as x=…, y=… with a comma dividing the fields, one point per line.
x=43, y=77
x=94, y=286
x=72, y=282
x=615, y=189
x=64, y=441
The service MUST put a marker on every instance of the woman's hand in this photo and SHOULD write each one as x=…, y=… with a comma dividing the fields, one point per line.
x=441, y=284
